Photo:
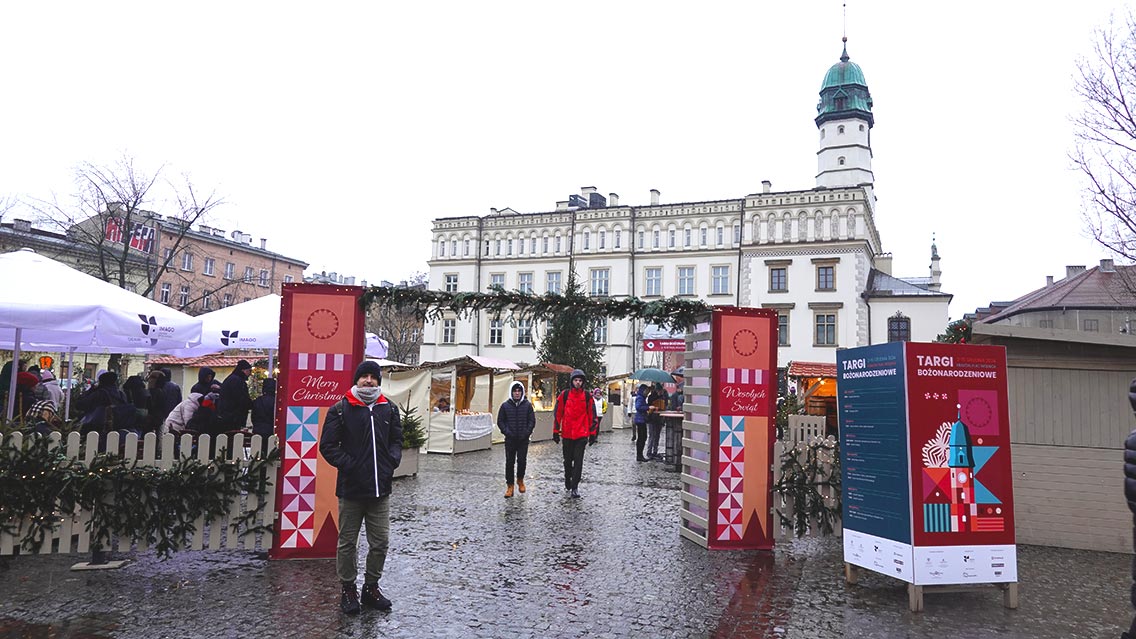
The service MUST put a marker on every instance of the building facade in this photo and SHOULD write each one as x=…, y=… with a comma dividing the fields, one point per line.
x=813, y=255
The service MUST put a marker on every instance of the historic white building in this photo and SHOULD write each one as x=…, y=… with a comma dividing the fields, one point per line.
x=813, y=255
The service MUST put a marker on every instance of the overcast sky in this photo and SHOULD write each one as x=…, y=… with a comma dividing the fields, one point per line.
x=339, y=131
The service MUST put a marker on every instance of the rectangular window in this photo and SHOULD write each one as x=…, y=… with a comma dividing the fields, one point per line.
x=229, y=269
x=497, y=280
x=737, y=234
x=248, y=274
x=207, y=301
x=183, y=296
x=496, y=332
x=599, y=332
x=778, y=279
x=167, y=255
x=599, y=279
x=524, y=331
x=509, y=247
x=227, y=300
x=721, y=233
x=1091, y=325
x=654, y=281
x=587, y=240
x=187, y=261
x=899, y=329
x=207, y=268
x=451, y=283
x=544, y=244
x=449, y=331
x=465, y=248
x=603, y=239
x=641, y=234
x=826, y=278
x=525, y=282
x=686, y=238
x=618, y=235
x=686, y=280
x=720, y=280
x=671, y=238
x=553, y=280
x=453, y=248
x=441, y=248
x=532, y=246
x=825, y=329
x=702, y=234
x=264, y=277
x=164, y=295
x=557, y=243
x=498, y=247
x=288, y=279
x=1045, y=323
x=655, y=239
x=782, y=329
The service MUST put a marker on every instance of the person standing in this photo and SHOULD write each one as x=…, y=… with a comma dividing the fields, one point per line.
x=264, y=410
x=575, y=421
x=234, y=405
x=516, y=419
x=639, y=422
x=205, y=377
x=657, y=403
x=1130, y=495
x=362, y=438
x=51, y=388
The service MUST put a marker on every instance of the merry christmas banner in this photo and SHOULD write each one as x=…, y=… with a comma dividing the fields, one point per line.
x=321, y=343
x=743, y=405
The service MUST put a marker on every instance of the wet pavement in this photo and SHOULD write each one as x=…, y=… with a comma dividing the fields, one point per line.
x=466, y=562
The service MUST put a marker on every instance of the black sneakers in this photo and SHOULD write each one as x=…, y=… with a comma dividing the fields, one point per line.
x=349, y=601
x=373, y=597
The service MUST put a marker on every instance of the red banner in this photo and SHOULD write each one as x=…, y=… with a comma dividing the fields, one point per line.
x=142, y=237
x=665, y=345
x=321, y=344
x=743, y=405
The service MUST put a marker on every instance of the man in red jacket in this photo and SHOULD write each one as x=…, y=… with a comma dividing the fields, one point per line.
x=575, y=421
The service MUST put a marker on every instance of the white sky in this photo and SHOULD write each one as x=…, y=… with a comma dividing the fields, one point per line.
x=338, y=131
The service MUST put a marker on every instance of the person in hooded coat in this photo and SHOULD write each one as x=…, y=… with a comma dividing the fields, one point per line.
x=516, y=420
x=575, y=421
x=51, y=387
x=205, y=377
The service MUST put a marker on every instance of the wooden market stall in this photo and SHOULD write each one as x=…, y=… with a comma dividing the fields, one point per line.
x=540, y=384
x=464, y=393
x=816, y=388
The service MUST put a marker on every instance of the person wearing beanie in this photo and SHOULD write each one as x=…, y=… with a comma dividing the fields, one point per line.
x=362, y=439
x=234, y=405
x=575, y=421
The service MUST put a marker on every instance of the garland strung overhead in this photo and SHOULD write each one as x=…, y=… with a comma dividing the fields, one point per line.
x=672, y=312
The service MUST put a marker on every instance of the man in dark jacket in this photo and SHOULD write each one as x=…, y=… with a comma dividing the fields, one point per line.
x=575, y=419
x=516, y=420
x=264, y=410
x=1130, y=495
x=234, y=405
x=362, y=438
x=639, y=420
x=205, y=377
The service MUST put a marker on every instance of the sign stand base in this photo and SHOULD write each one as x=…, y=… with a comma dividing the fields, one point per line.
x=915, y=593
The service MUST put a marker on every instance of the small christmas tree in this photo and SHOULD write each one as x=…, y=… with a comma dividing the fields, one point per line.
x=958, y=332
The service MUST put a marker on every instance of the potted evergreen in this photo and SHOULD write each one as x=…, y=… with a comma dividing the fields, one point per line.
x=413, y=437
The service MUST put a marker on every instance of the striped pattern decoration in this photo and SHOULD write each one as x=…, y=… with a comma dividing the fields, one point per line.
x=742, y=375
x=319, y=361
x=988, y=524
x=936, y=518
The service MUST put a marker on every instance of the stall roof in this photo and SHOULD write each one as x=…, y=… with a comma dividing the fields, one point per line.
x=546, y=367
x=812, y=369
x=474, y=361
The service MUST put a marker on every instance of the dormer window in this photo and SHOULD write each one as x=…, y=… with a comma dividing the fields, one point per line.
x=839, y=105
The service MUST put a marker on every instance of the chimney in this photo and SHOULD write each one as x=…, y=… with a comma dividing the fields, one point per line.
x=1048, y=281
x=587, y=190
x=655, y=196
x=562, y=205
x=1106, y=266
x=23, y=226
x=1070, y=271
x=766, y=185
x=883, y=263
x=263, y=243
x=613, y=199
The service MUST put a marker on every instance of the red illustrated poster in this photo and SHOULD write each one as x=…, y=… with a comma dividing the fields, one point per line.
x=321, y=343
x=743, y=406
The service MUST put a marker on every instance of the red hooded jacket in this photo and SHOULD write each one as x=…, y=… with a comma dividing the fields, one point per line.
x=575, y=415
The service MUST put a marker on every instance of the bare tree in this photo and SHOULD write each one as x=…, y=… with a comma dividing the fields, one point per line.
x=1105, y=136
x=113, y=216
x=401, y=329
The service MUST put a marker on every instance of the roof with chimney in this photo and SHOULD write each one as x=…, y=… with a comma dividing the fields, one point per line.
x=1104, y=287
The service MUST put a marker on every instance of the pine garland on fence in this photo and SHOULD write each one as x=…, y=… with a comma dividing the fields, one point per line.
x=41, y=486
x=806, y=469
x=673, y=312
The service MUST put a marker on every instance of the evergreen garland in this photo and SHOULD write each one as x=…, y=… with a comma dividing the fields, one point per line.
x=41, y=486
x=672, y=312
x=805, y=470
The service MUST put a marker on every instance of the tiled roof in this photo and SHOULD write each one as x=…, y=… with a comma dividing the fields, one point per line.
x=1091, y=289
x=811, y=369
x=881, y=284
x=212, y=361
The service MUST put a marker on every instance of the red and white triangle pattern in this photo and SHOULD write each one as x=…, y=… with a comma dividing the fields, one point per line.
x=297, y=509
x=731, y=471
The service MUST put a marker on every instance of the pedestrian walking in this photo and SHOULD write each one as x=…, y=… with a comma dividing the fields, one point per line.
x=1130, y=495
x=516, y=420
x=639, y=422
x=362, y=438
x=575, y=421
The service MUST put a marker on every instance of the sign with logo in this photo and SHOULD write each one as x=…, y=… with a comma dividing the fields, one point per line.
x=141, y=237
x=321, y=344
x=665, y=345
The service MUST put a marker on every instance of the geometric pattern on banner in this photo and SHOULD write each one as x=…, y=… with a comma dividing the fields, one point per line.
x=937, y=480
x=301, y=451
x=731, y=472
x=741, y=375
x=319, y=361
x=936, y=518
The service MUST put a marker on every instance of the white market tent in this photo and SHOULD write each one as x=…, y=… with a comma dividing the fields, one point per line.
x=47, y=305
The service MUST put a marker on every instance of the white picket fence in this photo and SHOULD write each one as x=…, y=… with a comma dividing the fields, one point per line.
x=72, y=534
x=785, y=503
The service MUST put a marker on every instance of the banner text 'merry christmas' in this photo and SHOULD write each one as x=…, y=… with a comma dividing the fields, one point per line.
x=318, y=389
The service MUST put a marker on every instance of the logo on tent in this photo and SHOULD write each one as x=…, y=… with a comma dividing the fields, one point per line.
x=147, y=322
x=226, y=336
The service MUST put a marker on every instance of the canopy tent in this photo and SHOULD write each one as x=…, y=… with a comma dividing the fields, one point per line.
x=47, y=305
x=377, y=347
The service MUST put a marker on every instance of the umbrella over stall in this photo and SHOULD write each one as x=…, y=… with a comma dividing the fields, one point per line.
x=653, y=375
x=77, y=312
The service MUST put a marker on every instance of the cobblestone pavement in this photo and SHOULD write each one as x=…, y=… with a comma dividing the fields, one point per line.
x=466, y=562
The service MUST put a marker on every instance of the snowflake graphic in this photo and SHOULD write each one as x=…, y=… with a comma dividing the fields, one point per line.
x=937, y=451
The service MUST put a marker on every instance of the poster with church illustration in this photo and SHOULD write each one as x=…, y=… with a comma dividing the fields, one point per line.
x=925, y=448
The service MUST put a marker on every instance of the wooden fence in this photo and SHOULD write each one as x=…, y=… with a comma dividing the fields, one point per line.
x=785, y=503
x=73, y=535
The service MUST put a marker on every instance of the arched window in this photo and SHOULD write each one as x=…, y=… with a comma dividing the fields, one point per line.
x=587, y=240
x=603, y=240
x=861, y=127
x=840, y=130
x=840, y=160
x=441, y=248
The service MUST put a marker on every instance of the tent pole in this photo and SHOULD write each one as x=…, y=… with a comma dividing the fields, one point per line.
x=15, y=372
x=71, y=386
x=271, y=361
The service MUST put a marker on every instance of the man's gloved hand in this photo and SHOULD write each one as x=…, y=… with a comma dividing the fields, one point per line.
x=592, y=440
x=556, y=438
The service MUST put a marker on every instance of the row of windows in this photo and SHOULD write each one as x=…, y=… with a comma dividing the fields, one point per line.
x=209, y=268
x=522, y=332
x=599, y=281
x=208, y=298
x=779, y=278
x=839, y=128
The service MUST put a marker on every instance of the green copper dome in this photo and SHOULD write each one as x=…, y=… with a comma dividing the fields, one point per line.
x=844, y=92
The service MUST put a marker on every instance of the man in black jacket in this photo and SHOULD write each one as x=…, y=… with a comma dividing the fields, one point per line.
x=362, y=438
x=234, y=405
x=516, y=420
x=1130, y=495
